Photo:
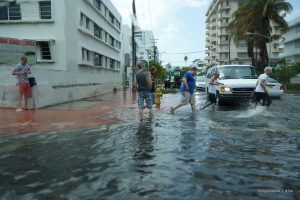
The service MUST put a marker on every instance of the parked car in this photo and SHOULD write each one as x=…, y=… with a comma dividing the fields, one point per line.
x=238, y=82
x=201, y=82
x=275, y=89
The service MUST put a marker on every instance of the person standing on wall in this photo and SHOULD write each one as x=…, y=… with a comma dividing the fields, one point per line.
x=143, y=85
x=21, y=71
x=187, y=89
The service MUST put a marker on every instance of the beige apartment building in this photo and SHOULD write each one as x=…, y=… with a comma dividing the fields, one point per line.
x=220, y=48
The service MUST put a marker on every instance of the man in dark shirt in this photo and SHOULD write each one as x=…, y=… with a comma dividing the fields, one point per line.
x=144, y=85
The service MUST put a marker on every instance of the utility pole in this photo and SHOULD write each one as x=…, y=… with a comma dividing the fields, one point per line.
x=229, y=59
x=133, y=41
x=154, y=49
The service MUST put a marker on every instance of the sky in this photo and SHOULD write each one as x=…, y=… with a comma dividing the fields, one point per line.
x=178, y=25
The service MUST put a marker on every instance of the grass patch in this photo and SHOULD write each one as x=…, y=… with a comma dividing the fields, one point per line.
x=292, y=91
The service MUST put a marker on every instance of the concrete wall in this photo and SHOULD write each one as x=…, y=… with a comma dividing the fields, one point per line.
x=64, y=78
x=64, y=87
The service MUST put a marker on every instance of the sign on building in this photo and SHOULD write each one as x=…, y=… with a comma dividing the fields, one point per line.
x=11, y=50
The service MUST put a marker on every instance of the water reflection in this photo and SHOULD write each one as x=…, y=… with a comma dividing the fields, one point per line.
x=143, y=144
x=230, y=154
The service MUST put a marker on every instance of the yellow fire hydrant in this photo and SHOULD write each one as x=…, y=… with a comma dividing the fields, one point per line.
x=158, y=95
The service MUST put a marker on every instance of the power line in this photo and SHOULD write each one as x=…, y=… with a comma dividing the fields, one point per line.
x=150, y=16
x=187, y=52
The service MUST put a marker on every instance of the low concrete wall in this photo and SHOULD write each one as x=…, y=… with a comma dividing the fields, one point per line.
x=46, y=95
x=55, y=87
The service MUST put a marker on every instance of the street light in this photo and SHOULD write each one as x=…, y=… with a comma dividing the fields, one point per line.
x=268, y=37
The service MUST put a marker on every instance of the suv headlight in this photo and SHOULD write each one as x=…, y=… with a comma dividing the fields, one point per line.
x=225, y=89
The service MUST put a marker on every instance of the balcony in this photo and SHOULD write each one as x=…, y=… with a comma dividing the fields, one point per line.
x=223, y=33
x=223, y=49
x=224, y=16
x=278, y=50
x=223, y=24
x=224, y=7
x=213, y=33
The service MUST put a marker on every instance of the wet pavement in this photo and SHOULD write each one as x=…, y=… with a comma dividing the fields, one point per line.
x=98, y=149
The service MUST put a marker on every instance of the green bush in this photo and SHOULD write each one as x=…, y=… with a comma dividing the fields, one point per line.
x=293, y=86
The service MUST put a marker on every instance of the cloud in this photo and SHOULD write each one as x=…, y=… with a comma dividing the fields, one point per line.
x=164, y=19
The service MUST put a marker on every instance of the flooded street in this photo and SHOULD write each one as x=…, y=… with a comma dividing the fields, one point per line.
x=234, y=153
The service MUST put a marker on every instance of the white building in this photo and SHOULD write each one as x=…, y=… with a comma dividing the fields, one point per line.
x=220, y=48
x=78, y=48
x=199, y=64
x=292, y=42
x=147, y=48
x=127, y=53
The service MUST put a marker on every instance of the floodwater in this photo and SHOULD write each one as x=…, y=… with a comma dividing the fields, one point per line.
x=234, y=153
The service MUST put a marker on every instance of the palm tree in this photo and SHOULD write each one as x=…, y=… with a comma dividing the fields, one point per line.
x=186, y=59
x=255, y=16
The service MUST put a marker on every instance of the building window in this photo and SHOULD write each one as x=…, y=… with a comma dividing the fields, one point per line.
x=81, y=19
x=14, y=11
x=87, y=23
x=97, y=59
x=106, y=61
x=297, y=44
x=106, y=36
x=97, y=32
x=106, y=11
x=97, y=4
x=4, y=13
x=112, y=63
x=297, y=29
x=85, y=54
x=111, y=18
x=82, y=53
x=10, y=12
x=45, y=10
x=111, y=41
x=45, y=53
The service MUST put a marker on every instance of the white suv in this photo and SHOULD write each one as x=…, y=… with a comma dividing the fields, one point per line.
x=239, y=82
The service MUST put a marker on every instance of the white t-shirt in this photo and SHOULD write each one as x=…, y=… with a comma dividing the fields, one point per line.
x=212, y=89
x=263, y=77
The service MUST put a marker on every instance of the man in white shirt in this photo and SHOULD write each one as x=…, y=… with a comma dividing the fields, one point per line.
x=261, y=91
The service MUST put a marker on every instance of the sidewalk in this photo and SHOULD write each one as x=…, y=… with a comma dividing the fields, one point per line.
x=84, y=113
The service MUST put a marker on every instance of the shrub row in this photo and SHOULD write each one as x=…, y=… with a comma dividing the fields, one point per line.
x=293, y=86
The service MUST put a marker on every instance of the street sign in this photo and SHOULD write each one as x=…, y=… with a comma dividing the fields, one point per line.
x=11, y=50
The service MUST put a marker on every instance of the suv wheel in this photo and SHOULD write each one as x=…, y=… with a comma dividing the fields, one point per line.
x=218, y=99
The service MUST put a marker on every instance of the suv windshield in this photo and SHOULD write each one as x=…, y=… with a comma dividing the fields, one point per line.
x=237, y=72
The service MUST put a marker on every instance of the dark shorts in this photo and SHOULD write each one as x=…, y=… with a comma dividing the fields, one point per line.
x=264, y=96
x=212, y=98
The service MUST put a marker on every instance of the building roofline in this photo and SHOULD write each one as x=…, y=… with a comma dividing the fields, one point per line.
x=294, y=22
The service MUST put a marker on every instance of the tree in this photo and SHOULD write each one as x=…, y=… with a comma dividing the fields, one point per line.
x=184, y=70
x=185, y=59
x=255, y=16
x=284, y=74
x=161, y=73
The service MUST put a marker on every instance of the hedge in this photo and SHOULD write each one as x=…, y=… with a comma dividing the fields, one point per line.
x=293, y=86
